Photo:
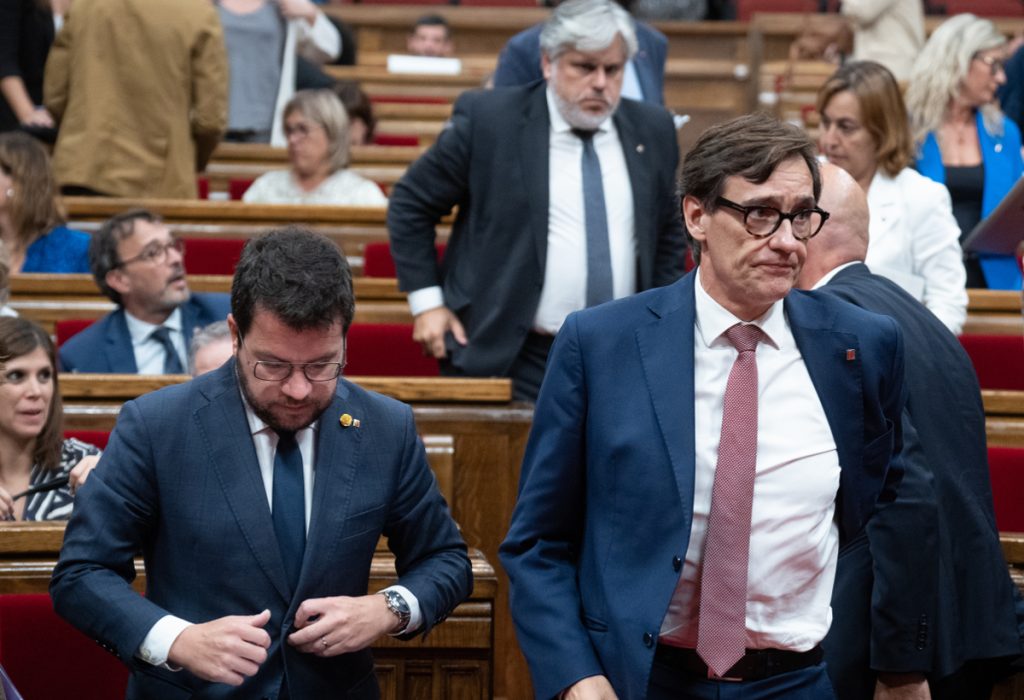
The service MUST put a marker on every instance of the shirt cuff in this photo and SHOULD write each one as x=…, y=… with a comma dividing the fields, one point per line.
x=415, y=615
x=157, y=645
x=425, y=299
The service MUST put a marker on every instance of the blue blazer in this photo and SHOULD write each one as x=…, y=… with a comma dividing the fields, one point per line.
x=1003, y=166
x=106, y=346
x=60, y=250
x=606, y=493
x=179, y=483
x=519, y=61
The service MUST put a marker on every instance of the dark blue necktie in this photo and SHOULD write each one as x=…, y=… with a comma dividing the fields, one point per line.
x=172, y=363
x=289, y=505
x=595, y=220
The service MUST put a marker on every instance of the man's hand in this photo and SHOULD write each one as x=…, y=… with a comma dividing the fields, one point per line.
x=902, y=686
x=39, y=117
x=430, y=327
x=80, y=472
x=590, y=688
x=6, y=505
x=339, y=625
x=298, y=9
x=225, y=650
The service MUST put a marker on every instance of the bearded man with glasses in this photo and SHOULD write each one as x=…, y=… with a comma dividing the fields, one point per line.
x=139, y=265
x=257, y=494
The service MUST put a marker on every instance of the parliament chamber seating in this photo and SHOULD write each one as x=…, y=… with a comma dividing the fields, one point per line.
x=212, y=256
x=998, y=360
x=67, y=328
x=985, y=8
x=237, y=187
x=99, y=438
x=1006, y=469
x=378, y=263
x=388, y=350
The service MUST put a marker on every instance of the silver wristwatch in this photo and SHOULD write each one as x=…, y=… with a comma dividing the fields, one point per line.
x=396, y=604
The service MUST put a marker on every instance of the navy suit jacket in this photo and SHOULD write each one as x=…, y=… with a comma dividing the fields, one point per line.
x=974, y=615
x=492, y=161
x=606, y=495
x=106, y=346
x=519, y=61
x=179, y=483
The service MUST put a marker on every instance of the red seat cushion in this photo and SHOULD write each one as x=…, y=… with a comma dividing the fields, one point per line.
x=48, y=659
x=377, y=260
x=998, y=360
x=388, y=350
x=100, y=438
x=1006, y=469
x=212, y=256
x=985, y=8
x=380, y=139
x=409, y=99
x=203, y=187
x=237, y=188
x=69, y=327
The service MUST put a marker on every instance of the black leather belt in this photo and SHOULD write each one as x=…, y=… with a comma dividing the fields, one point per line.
x=755, y=665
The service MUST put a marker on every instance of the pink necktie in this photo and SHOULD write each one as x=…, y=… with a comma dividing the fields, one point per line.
x=723, y=583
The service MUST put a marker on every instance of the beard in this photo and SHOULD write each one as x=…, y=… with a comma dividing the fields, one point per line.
x=271, y=412
x=579, y=118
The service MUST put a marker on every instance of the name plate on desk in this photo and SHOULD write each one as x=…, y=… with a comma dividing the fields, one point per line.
x=424, y=65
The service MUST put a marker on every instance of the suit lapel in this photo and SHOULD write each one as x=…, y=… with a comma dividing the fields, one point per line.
x=666, y=353
x=119, y=350
x=233, y=459
x=833, y=360
x=534, y=130
x=337, y=456
x=640, y=171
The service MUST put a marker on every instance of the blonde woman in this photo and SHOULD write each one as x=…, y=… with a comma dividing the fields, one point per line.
x=964, y=141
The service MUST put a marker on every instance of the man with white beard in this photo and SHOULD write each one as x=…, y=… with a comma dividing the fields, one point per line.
x=566, y=199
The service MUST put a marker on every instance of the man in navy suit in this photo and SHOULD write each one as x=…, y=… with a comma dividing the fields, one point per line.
x=974, y=623
x=612, y=591
x=520, y=63
x=138, y=264
x=543, y=176
x=257, y=494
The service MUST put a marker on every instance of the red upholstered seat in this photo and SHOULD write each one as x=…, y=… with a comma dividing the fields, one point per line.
x=237, y=188
x=1006, y=469
x=998, y=360
x=212, y=256
x=48, y=659
x=986, y=8
x=385, y=349
x=409, y=99
x=203, y=187
x=380, y=139
x=377, y=260
x=100, y=438
x=745, y=9
x=68, y=327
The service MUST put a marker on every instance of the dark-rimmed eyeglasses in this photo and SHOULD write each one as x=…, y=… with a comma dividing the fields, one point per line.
x=995, y=65
x=761, y=221
x=156, y=253
x=271, y=371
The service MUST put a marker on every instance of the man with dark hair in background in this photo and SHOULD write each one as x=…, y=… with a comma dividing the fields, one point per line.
x=139, y=265
x=257, y=494
x=431, y=36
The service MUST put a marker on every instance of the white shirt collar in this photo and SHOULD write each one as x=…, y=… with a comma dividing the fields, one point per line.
x=558, y=123
x=140, y=330
x=713, y=319
x=827, y=277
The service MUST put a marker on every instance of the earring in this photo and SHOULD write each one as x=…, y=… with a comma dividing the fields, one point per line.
x=9, y=192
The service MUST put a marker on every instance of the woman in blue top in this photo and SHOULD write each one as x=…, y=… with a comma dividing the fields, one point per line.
x=964, y=140
x=31, y=216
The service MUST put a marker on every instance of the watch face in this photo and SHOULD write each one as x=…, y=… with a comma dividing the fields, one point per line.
x=397, y=604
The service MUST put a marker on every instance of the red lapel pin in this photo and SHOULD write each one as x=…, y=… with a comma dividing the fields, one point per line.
x=851, y=354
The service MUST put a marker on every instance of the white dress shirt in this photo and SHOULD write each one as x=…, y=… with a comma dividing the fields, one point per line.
x=157, y=644
x=794, y=541
x=149, y=352
x=565, y=270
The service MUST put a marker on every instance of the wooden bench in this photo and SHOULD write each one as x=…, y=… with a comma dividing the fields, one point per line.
x=454, y=660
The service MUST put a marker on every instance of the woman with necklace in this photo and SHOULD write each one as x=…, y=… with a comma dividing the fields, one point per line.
x=964, y=141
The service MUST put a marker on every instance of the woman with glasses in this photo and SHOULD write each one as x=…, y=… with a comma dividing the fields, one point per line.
x=964, y=141
x=39, y=469
x=316, y=127
x=31, y=216
x=914, y=239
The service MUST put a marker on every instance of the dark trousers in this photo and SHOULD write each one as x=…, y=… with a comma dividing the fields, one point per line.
x=527, y=372
x=809, y=683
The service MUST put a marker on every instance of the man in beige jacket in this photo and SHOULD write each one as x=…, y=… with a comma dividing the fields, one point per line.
x=139, y=89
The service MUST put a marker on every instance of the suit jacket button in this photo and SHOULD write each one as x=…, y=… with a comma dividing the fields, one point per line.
x=677, y=563
x=648, y=639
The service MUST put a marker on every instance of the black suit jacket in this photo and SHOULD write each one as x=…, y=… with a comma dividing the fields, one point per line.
x=492, y=161
x=974, y=614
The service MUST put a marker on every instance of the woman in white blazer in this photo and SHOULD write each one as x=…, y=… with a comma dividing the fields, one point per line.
x=914, y=239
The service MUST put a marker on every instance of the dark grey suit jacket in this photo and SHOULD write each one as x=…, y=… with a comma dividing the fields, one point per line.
x=180, y=483
x=492, y=161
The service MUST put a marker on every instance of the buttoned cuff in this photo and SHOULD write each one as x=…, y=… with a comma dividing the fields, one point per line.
x=425, y=299
x=415, y=614
x=157, y=645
